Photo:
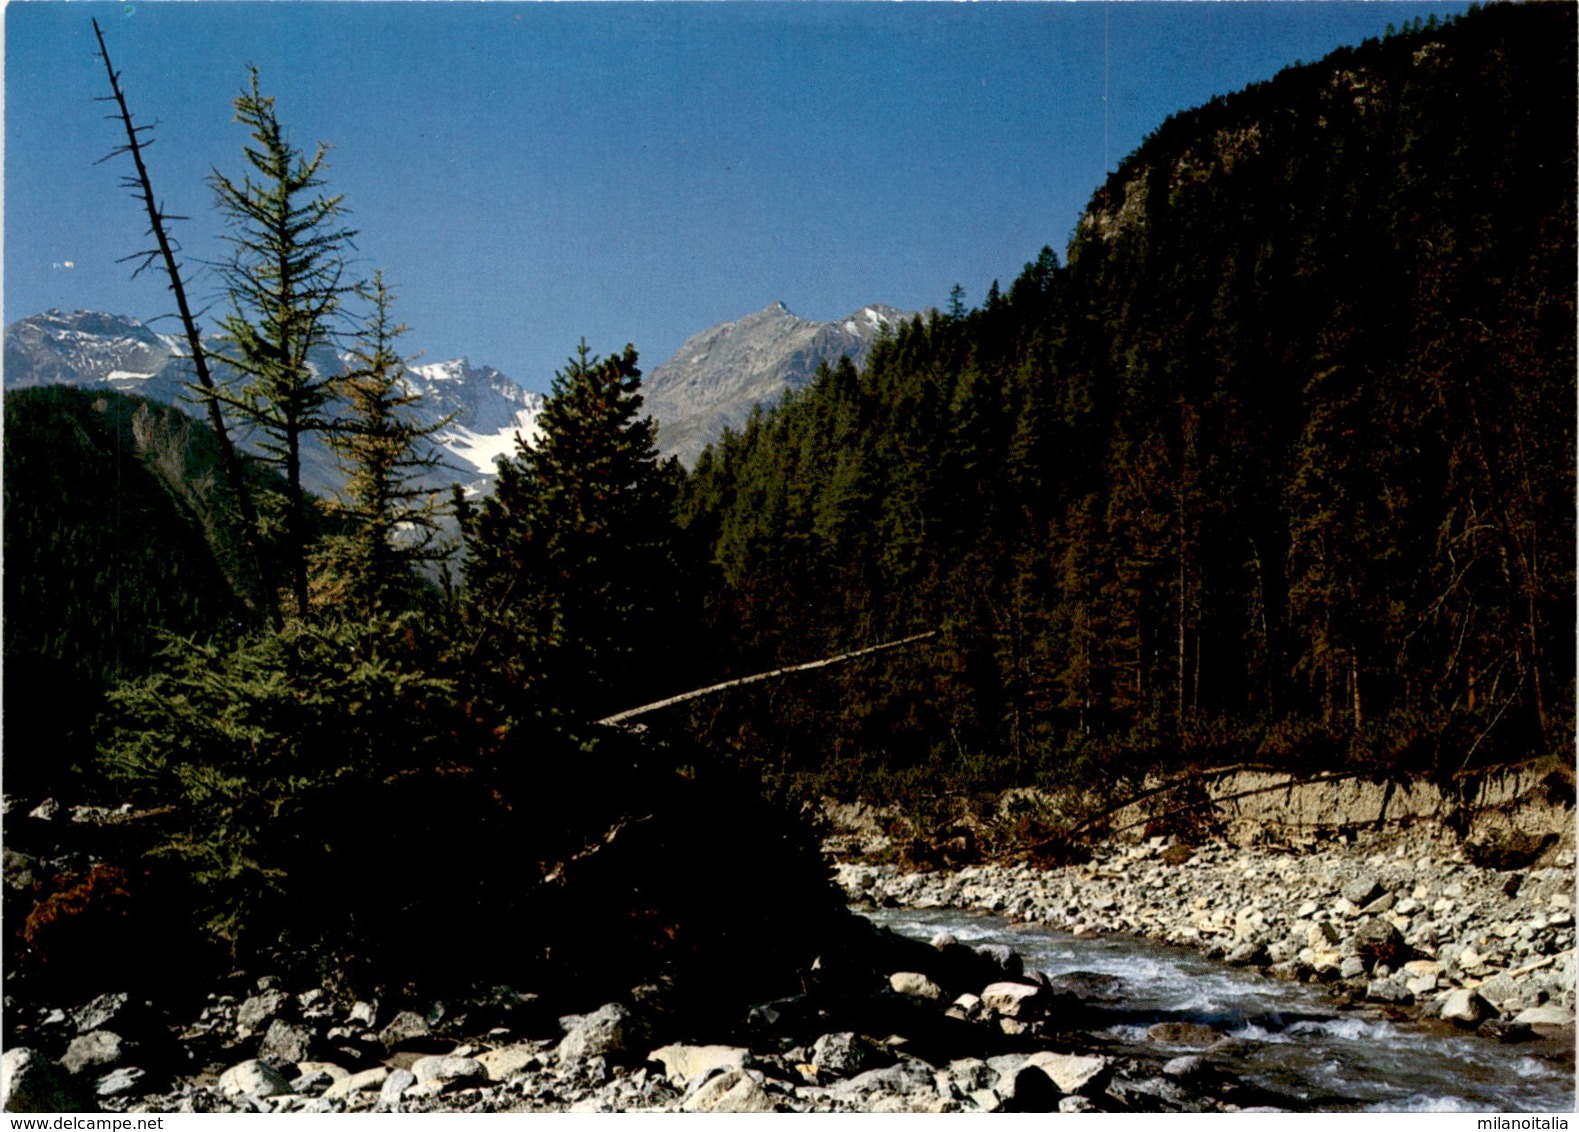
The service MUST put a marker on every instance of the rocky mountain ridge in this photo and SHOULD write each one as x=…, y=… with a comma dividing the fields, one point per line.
x=719, y=375
x=712, y=383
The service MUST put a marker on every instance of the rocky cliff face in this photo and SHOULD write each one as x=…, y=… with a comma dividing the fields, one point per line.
x=716, y=379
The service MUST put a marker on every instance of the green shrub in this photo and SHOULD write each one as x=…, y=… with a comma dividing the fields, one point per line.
x=287, y=754
x=343, y=806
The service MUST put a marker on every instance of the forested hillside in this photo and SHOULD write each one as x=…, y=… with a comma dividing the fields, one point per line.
x=117, y=531
x=1277, y=467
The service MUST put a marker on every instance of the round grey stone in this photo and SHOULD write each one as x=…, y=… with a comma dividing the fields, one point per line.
x=102, y=1049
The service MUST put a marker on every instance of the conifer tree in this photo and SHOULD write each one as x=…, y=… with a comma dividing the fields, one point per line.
x=956, y=302
x=285, y=281
x=571, y=572
x=394, y=516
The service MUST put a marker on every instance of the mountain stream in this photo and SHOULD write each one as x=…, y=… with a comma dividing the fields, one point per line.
x=1283, y=1036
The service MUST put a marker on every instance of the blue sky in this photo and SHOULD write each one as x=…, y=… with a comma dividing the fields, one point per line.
x=528, y=174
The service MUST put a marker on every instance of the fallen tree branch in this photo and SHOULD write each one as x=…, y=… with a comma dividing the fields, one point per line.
x=556, y=875
x=1203, y=803
x=1168, y=787
x=620, y=717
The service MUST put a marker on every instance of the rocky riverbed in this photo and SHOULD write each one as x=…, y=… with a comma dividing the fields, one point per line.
x=885, y=1024
x=1409, y=925
x=1405, y=928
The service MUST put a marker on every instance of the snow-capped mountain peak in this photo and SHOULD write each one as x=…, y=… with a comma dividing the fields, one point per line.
x=486, y=410
x=83, y=346
x=710, y=384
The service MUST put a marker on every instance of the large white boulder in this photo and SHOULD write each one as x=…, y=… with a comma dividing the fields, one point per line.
x=1011, y=1000
x=445, y=1070
x=30, y=1082
x=1072, y=1072
x=733, y=1090
x=684, y=1063
x=1466, y=1008
x=253, y=1079
x=611, y=1028
x=916, y=984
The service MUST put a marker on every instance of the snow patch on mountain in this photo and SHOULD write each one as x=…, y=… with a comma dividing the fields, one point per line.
x=483, y=451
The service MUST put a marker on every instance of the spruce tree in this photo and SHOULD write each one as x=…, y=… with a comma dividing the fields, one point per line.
x=956, y=302
x=285, y=280
x=571, y=574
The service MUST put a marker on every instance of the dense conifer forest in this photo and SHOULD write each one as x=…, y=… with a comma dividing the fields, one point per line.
x=1275, y=466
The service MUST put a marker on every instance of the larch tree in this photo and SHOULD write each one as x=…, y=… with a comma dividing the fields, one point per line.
x=285, y=280
x=392, y=510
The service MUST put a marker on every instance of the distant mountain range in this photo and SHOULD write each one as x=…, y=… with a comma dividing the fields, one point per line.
x=718, y=376
x=487, y=409
x=710, y=384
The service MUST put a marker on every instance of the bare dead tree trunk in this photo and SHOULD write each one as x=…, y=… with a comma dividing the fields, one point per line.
x=1354, y=688
x=142, y=187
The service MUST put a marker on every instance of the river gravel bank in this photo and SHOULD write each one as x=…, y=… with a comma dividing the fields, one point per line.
x=885, y=1024
x=1406, y=925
